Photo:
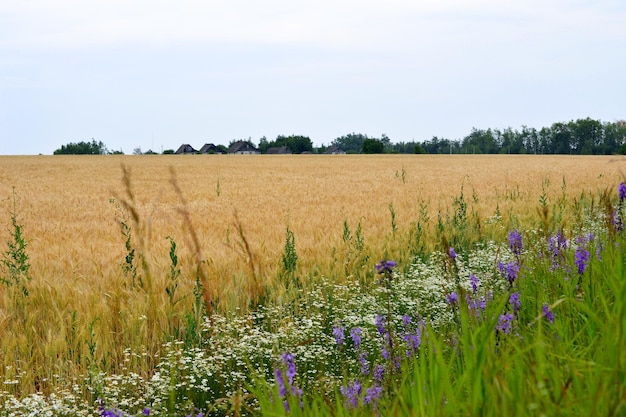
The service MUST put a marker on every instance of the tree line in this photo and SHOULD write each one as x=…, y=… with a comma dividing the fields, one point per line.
x=579, y=137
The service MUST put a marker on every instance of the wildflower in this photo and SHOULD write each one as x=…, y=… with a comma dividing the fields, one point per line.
x=288, y=361
x=515, y=242
x=413, y=341
x=618, y=223
x=146, y=411
x=514, y=301
x=352, y=393
x=474, y=283
x=385, y=267
x=372, y=394
x=365, y=368
x=355, y=335
x=510, y=271
x=452, y=253
x=338, y=332
x=504, y=323
x=547, y=313
x=282, y=390
x=581, y=258
x=379, y=374
x=406, y=320
x=380, y=324
x=452, y=298
x=622, y=191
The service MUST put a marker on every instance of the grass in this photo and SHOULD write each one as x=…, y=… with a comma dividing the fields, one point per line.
x=169, y=300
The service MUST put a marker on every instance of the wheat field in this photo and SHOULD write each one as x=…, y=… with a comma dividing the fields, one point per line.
x=70, y=206
x=229, y=214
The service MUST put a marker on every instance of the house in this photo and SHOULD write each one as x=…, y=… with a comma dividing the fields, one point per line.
x=335, y=150
x=281, y=150
x=185, y=149
x=243, y=147
x=210, y=148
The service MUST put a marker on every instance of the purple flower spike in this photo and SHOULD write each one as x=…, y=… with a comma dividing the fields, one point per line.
x=581, y=258
x=451, y=253
x=380, y=324
x=510, y=271
x=355, y=335
x=547, y=313
x=622, y=191
x=338, y=332
x=515, y=302
x=504, y=323
x=372, y=394
x=452, y=298
x=515, y=242
x=474, y=282
x=385, y=267
x=352, y=393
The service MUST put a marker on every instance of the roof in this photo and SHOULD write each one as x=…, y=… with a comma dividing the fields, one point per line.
x=185, y=148
x=210, y=148
x=242, y=146
x=279, y=150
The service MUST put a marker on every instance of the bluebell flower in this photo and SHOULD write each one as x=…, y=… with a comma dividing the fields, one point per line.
x=621, y=190
x=451, y=253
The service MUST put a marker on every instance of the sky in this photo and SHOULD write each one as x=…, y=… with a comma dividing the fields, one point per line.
x=154, y=74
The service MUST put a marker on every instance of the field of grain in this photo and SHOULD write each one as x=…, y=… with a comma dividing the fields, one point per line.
x=70, y=220
x=238, y=209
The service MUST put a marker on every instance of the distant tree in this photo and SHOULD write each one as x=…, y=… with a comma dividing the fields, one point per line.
x=371, y=146
x=419, y=149
x=116, y=152
x=350, y=143
x=169, y=152
x=137, y=151
x=82, y=148
x=264, y=145
x=150, y=152
x=295, y=143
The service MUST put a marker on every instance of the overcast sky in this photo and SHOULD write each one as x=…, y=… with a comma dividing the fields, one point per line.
x=155, y=73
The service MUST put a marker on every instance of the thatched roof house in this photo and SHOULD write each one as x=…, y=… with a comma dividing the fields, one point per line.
x=281, y=150
x=335, y=150
x=185, y=149
x=210, y=148
x=243, y=147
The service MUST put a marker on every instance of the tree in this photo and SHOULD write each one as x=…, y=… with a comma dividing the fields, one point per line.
x=82, y=148
x=371, y=146
x=350, y=143
x=295, y=143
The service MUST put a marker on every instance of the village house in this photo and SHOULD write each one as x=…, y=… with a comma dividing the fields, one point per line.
x=210, y=148
x=185, y=149
x=243, y=147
